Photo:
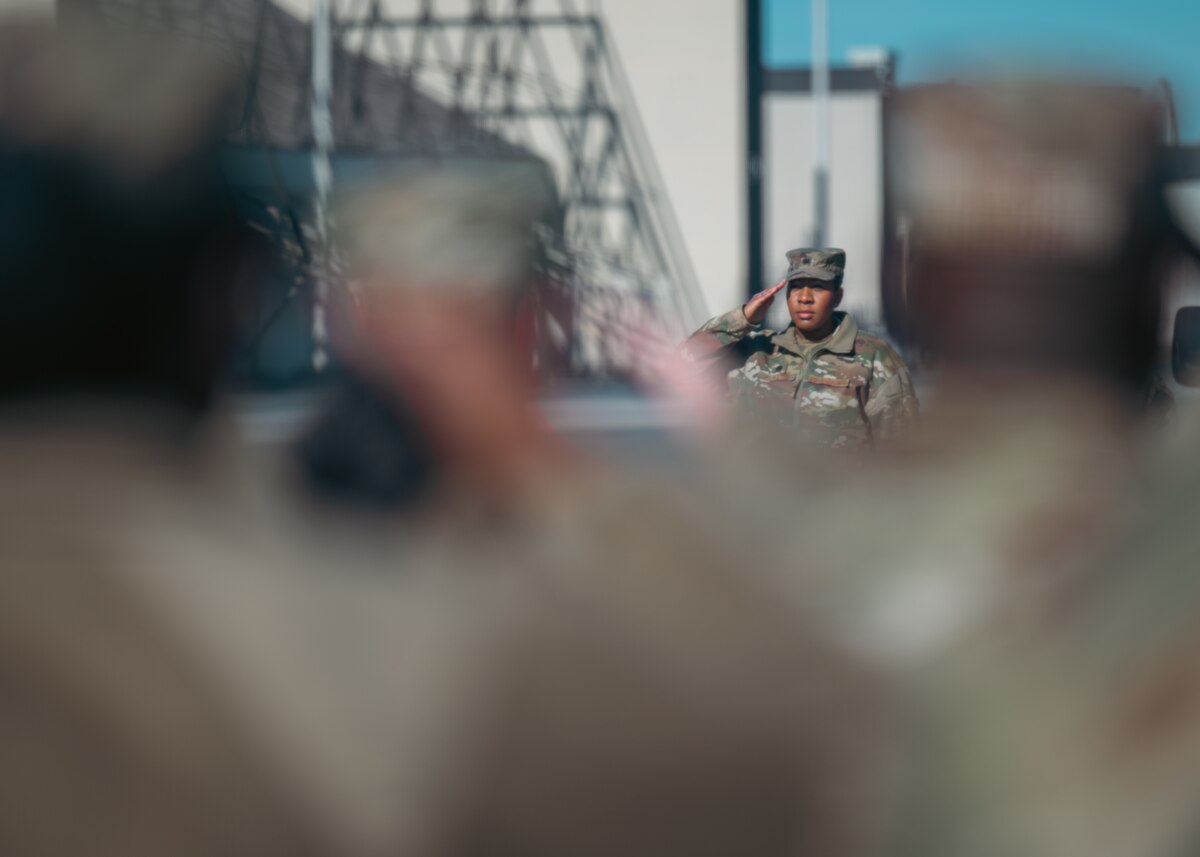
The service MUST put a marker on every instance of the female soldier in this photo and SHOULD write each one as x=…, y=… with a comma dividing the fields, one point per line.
x=837, y=385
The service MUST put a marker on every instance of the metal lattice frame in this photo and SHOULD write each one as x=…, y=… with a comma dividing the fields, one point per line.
x=546, y=77
x=432, y=77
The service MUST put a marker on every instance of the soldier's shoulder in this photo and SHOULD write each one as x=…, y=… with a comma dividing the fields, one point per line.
x=866, y=342
x=882, y=355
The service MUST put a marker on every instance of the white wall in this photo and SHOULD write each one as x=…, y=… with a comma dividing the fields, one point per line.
x=855, y=192
x=685, y=62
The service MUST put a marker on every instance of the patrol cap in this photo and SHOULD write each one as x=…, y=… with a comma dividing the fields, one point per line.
x=82, y=91
x=1035, y=222
x=470, y=224
x=825, y=264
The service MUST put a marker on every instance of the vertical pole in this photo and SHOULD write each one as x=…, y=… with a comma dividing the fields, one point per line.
x=820, y=103
x=754, y=146
x=322, y=130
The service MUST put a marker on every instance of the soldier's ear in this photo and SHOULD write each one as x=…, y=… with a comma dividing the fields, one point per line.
x=837, y=297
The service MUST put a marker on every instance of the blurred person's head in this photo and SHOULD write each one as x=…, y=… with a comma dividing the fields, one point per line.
x=440, y=260
x=1040, y=232
x=118, y=239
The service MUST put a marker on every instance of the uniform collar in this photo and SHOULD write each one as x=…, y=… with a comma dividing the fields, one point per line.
x=841, y=341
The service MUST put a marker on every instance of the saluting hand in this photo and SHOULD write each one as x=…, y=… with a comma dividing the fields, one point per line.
x=756, y=308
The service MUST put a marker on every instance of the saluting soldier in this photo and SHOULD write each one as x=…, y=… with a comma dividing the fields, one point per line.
x=836, y=384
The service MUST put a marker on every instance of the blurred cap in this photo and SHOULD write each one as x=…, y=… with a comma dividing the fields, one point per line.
x=468, y=225
x=1037, y=230
x=1023, y=170
x=826, y=264
x=87, y=91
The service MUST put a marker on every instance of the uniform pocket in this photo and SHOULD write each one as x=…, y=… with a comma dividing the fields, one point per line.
x=767, y=386
x=834, y=382
x=830, y=408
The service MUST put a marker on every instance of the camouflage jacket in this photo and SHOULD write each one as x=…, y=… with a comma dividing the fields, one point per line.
x=849, y=390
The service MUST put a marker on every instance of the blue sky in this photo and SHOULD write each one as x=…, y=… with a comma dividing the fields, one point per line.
x=1138, y=40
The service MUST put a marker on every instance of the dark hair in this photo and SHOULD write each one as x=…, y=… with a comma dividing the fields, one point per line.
x=108, y=284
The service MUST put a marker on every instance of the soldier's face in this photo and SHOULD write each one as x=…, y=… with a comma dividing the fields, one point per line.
x=811, y=304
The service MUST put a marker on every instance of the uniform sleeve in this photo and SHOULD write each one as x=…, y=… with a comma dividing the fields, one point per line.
x=718, y=336
x=892, y=405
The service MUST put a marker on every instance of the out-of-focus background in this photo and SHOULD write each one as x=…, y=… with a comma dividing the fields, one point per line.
x=685, y=143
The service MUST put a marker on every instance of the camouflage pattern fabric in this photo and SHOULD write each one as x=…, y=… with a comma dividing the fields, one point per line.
x=847, y=391
x=1067, y=725
x=810, y=264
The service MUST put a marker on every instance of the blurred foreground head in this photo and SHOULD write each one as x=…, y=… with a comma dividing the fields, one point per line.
x=1040, y=233
x=439, y=261
x=117, y=237
x=459, y=232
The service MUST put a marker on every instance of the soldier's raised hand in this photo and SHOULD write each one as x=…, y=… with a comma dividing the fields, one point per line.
x=756, y=308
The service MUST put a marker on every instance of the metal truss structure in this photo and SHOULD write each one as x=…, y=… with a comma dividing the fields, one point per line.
x=436, y=78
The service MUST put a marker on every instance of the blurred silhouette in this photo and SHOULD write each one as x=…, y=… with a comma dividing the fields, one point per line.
x=1008, y=565
x=1040, y=240
x=440, y=261
x=646, y=701
x=120, y=249
x=1065, y=720
x=120, y=263
x=525, y=655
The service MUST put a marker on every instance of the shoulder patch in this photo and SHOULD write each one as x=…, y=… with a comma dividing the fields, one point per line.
x=871, y=342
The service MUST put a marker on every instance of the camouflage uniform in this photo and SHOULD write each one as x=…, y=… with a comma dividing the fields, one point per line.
x=848, y=390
